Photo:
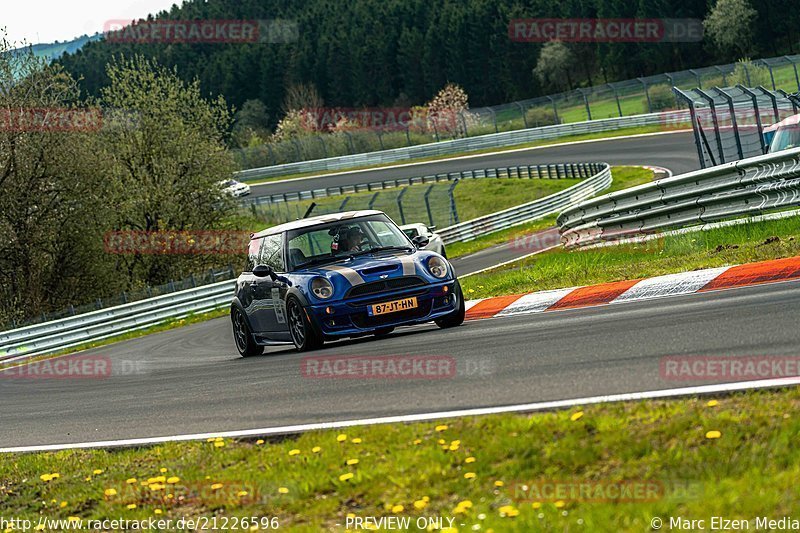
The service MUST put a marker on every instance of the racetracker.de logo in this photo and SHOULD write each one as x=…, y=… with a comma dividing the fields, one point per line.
x=200, y=31
x=50, y=119
x=379, y=367
x=728, y=368
x=541, y=30
x=192, y=242
x=68, y=367
x=617, y=491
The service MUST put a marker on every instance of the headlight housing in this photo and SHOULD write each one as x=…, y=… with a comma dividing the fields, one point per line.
x=321, y=288
x=437, y=267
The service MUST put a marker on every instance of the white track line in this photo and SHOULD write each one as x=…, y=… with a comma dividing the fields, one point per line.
x=422, y=417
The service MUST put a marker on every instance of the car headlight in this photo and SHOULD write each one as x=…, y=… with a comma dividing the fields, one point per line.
x=321, y=288
x=437, y=267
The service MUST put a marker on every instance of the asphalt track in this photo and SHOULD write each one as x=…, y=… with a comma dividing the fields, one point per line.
x=190, y=380
x=675, y=151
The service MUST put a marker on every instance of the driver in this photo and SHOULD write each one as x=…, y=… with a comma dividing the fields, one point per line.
x=352, y=240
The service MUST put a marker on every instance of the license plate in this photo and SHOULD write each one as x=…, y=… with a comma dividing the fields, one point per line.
x=392, y=307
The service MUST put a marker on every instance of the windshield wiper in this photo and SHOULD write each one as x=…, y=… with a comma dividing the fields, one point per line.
x=382, y=249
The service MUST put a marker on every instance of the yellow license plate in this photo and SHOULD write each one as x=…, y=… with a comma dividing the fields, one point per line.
x=392, y=307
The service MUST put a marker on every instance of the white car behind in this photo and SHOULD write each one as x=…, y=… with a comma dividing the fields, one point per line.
x=234, y=188
x=435, y=243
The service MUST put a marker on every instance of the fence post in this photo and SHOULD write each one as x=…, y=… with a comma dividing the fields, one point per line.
x=344, y=203
x=297, y=149
x=324, y=147
x=696, y=75
x=494, y=119
x=463, y=123
x=724, y=77
x=400, y=205
x=435, y=130
x=522, y=112
x=586, y=103
x=408, y=137
x=555, y=109
x=771, y=74
x=372, y=200
x=124, y=297
x=453, y=210
x=428, y=204
x=350, y=140
x=616, y=97
x=380, y=139
x=794, y=66
x=646, y=94
x=732, y=110
x=715, y=121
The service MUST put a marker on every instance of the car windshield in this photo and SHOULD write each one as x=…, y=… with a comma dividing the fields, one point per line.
x=785, y=138
x=343, y=239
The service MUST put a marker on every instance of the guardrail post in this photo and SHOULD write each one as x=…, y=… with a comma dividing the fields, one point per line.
x=400, y=204
x=713, y=108
x=732, y=110
x=759, y=126
x=646, y=94
x=372, y=200
x=774, y=100
x=428, y=204
x=453, y=210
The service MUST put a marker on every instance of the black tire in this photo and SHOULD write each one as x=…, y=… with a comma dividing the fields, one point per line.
x=242, y=336
x=382, y=332
x=304, y=336
x=456, y=318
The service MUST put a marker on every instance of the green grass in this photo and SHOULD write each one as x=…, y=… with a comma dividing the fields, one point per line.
x=744, y=243
x=622, y=132
x=623, y=177
x=750, y=470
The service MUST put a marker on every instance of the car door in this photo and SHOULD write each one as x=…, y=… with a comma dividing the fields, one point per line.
x=269, y=314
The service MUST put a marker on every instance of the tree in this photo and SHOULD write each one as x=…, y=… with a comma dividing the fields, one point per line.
x=166, y=163
x=250, y=124
x=53, y=204
x=730, y=27
x=553, y=66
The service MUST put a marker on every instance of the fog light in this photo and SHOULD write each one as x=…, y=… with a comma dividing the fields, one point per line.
x=331, y=323
x=329, y=310
x=446, y=300
x=445, y=289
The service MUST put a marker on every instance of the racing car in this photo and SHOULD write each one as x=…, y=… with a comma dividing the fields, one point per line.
x=339, y=275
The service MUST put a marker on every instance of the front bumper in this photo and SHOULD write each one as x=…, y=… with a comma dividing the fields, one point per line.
x=349, y=317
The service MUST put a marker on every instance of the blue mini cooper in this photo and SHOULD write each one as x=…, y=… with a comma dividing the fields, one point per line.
x=339, y=275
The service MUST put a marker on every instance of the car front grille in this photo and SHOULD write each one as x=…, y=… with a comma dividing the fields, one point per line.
x=384, y=285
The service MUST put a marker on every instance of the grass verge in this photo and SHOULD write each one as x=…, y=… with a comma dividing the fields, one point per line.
x=745, y=243
x=622, y=132
x=697, y=458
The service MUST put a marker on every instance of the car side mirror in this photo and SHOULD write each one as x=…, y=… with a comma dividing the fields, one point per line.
x=262, y=271
x=420, y=241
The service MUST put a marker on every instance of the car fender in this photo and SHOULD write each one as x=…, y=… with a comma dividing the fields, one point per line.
x=235, y=303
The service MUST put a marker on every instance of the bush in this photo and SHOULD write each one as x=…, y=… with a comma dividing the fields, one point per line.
x=540, y=116
x=661, y=98
x=749, y=74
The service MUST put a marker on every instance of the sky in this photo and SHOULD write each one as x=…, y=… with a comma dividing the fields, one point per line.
x=45, y=21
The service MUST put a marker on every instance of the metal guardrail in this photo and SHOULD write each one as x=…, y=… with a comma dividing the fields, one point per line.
x=551, y=171
x=57, y=335
x=745, y=187
x=493, y=140
x=74, y=331
x=600, y=180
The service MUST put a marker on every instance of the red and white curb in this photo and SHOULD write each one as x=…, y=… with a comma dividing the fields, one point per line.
x=638, y=289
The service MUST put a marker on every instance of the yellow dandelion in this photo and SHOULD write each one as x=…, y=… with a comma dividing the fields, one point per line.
x=397, y=509
x=316, y=449
x=506, y=509
x=172, y=480
x=162, y=470
x=241, y=493
x=55, y=476
x=218, y=439
x=62, y=504
x=536, y=505
x=97, y=471
x=442, y=427
x=713, y=434
x=283, y=490
x=345, y=477
x=498, y=483
x=45, y=477
x=351, y=515
x=351, y=462
x=132, y=506
x=130, y=480
x=216, y=486
x=356, y=440
x=712, y=403
x=341, y=438
x=426, y=499
x=157, y=511
x=469, y=459
x=576, y=416
x=219, y=444
x=471, y=291
x=420, y=505
x=39, y=527
x=294, y=452
x=260, y=441
x=469, y=475
x=110, y=492
x=73, y=518
x=157, y=486
x=417, y=441
x=559, y=504
x=441, y=441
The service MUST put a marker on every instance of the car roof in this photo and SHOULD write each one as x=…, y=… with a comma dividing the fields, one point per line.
x=315, y=221
x=788, y=121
